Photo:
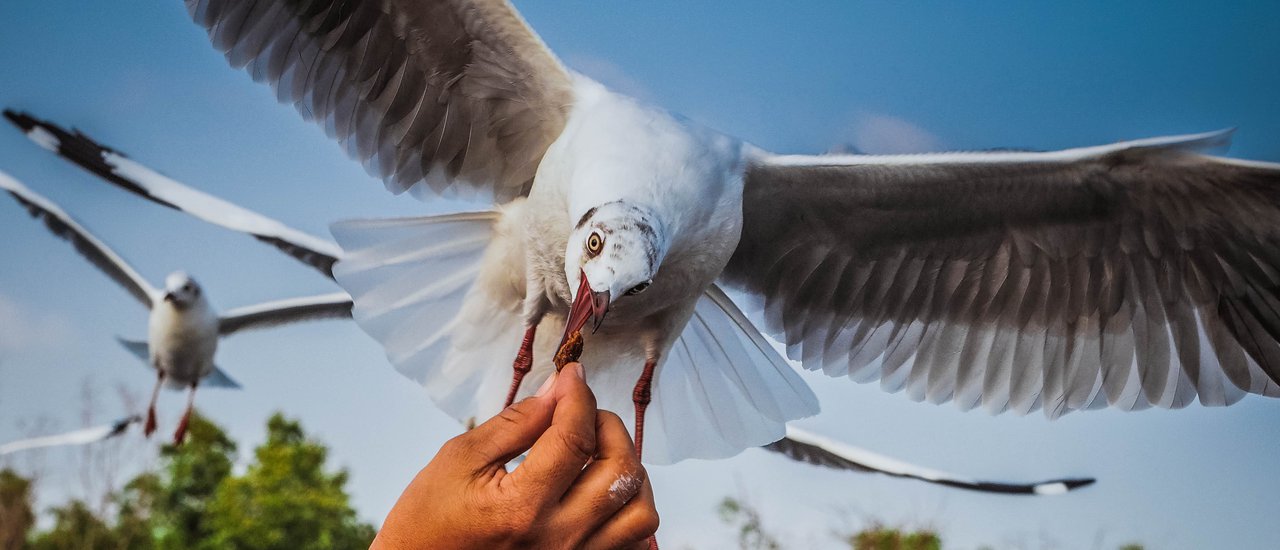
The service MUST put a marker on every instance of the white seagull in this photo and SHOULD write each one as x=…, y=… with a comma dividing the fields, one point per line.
x=113, y=167
x=183, y=328
x=1135, y=274
x=83, y=436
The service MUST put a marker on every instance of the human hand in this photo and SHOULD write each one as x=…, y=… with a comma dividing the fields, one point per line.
x=580, y=487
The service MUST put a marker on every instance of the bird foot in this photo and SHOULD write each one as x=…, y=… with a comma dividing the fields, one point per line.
x=180, y=435
x=522, y=365
x=150, y=427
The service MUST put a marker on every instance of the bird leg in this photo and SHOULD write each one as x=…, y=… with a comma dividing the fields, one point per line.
x=181, y=434
x=522, y=365
x=640, y=396
x=150, y=426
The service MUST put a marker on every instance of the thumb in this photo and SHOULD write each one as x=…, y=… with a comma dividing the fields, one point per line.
x=512, y=431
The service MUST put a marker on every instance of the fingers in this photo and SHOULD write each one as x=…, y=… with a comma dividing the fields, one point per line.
x=630, y=527
x=557, y=457
x=613, y=478
x=491, y=445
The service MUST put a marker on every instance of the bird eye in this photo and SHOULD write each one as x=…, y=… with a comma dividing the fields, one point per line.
x=595, y=243
x=638, y=288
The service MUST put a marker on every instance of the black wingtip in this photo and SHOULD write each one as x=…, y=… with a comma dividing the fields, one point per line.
x=1073, y=484
x=23, y=121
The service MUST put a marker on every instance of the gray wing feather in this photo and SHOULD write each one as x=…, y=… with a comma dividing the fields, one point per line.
x=217, y=378
x=327, y=306
x=448, y=97
x=1139, y=274
x=66, y=228
x=137, y=348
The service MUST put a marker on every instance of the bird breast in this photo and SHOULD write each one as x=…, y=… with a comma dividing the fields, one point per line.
x=183, y=341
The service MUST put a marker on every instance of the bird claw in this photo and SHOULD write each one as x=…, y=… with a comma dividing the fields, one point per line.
x=150, y=426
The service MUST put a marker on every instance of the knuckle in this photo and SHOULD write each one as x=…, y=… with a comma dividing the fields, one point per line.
x=610, y=418
x=647, y=523
x=459, y=446
x=580, y=446
x=515, y=414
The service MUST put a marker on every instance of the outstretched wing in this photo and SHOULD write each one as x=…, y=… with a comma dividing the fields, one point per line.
x=119, y=170
x=76, y=437
x=455, y=97
x=820, y=451
x=1136, y=274
x=326, y=306
x=85, y=243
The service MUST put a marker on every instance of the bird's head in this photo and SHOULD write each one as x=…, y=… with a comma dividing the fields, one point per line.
x=181, y=290
x=613, y=254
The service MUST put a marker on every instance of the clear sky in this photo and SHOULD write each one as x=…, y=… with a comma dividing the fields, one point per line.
x=885, y=77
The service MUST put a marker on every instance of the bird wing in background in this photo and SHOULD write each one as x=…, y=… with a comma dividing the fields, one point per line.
x=85, y=243
x=821, y=451
x=326, y=306
x=77, y=437
x=1136, y=274
x=127, y=174
x=450, y=98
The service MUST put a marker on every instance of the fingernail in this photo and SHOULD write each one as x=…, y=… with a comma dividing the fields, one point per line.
x=582, y=374
x=546, y=386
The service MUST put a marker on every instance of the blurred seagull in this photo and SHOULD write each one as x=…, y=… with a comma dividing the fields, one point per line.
x=82, y=436
x=1135, y=274
x=183, y=327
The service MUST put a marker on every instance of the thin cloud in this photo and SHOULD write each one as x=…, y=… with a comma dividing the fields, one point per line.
x=23, y=330
x=881, y=134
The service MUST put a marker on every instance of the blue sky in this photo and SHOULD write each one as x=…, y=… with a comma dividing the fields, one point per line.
x=882, y=76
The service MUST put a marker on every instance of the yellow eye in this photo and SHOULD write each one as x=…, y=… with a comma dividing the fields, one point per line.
x=595, y=243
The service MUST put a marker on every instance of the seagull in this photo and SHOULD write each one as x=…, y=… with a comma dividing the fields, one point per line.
x=1136, y=274
x=82, y=436
x=183, y=329
x=113, y=167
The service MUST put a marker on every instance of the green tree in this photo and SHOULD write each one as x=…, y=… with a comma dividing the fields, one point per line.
x=286, y=499
x=751, y=533
x=16, y=517
x=174, y=502
x=76, y=526
x=880, y=537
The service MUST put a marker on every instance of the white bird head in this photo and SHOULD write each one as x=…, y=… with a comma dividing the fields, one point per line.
x=613, y=254
x=181, y=290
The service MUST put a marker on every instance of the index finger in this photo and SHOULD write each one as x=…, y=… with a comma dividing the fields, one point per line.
x=558, y=456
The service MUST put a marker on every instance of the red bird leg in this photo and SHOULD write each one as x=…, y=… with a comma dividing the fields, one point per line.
x=150, y=426
x=640, y=396
x=522, y=365
x=181, y=434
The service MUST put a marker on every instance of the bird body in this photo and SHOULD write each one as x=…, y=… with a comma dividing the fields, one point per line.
x=182, y=340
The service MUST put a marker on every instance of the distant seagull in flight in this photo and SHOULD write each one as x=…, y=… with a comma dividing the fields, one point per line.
x=183, y=329
x=82, y=436
x=1135, y=274
x=110, y=165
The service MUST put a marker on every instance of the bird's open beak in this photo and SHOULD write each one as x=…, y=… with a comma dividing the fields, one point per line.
x=168, y=297
x=587, y=305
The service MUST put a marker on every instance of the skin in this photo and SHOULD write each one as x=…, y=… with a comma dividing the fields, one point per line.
x=581, y=485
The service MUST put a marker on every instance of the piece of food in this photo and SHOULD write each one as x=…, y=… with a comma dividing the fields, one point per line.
x=570, y=351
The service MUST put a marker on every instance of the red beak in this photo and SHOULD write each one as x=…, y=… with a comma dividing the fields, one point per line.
x=588, y=304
